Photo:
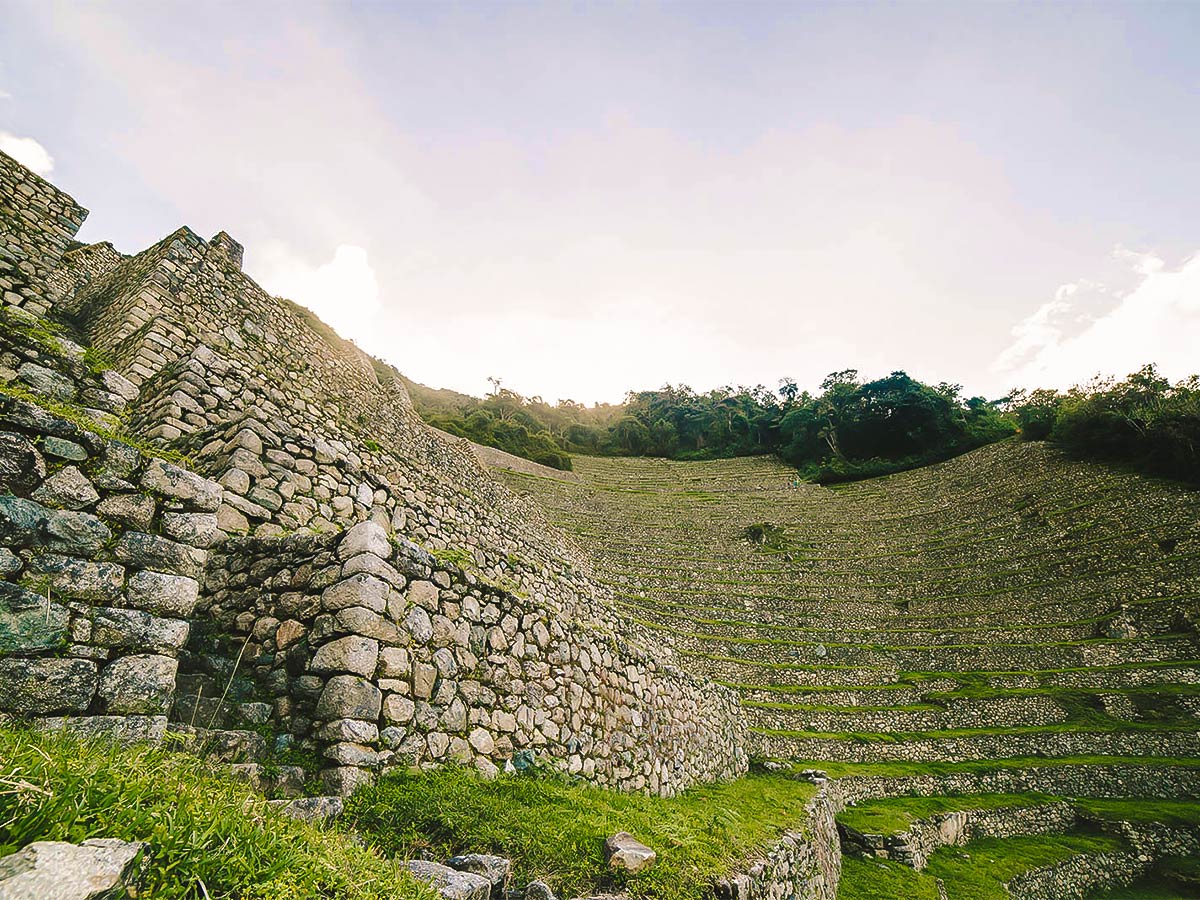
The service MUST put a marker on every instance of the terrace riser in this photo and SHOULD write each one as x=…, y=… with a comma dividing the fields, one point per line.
x=1002, y=713
x=1176, y=745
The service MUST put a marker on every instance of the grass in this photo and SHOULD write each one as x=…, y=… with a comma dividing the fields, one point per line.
x=210, y=836
x=910, y=769
x=554, y=830
x=896, y=814
x=980, y=870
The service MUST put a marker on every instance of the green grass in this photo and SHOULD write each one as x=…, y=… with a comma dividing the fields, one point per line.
x=1171, y=878
x=555, y=830
x=896, y=814
x=1177, y=813
x=909, y=769
x=210, y=836
x=873, y=879
x=979, y=870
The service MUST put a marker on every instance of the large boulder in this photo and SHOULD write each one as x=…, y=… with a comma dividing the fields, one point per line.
x=97, y=869
x=40, y=687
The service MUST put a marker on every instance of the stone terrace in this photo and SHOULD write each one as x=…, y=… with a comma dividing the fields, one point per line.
x=1007, y=603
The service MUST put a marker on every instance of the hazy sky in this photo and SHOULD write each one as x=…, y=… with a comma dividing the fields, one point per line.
x=583, y=198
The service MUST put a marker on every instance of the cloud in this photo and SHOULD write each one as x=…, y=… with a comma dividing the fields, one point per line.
x=343, y=292
x=27, y=152
x=1093, y=329
x=5, y=95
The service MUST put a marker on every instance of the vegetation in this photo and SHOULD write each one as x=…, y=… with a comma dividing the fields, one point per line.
x=209, y=836
x=850, y=430
x=554, y=830
x=1144, y=421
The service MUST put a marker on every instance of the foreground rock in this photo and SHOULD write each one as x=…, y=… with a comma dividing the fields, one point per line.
x=627, y=853
x=97, y=869
x=495, y=869
x=450, y=883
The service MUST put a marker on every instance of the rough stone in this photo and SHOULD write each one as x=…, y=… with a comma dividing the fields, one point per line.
x=170, y=480
x=46, y=686
x=626, y=853
x=495, y=869
x=349, y=697
x=21, y=465
x=139, y=685
x=451, y=884
x=67, y=488
x=97, y=869
x=354, y=654
x=365, y=537
x=162, y=593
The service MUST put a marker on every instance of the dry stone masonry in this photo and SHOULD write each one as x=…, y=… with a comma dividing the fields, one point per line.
x=320, y=563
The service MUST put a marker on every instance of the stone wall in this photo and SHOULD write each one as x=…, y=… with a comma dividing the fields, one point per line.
x=376, y=654
x=101, y=550
x=1080, y=876
x=799, y=866
x=37, y=223
x=914, y=845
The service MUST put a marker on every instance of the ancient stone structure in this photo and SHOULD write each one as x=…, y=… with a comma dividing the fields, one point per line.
x=378, y=598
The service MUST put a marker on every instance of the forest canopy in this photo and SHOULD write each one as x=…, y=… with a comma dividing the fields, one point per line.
x=849, y=429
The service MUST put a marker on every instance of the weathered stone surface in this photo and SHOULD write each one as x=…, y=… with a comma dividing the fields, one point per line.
x=46, y=686
x=628, y=854
x=138, y=630
x=365, y=537
x=21, y=521
x=80, y=579
x=132, y=510
x=139, y=685
x=495, y=869
x=353, y=731
x=21, y=465
x=197, y=529
x=349, y=697
x=451, y=884
x=97, y=869
x=358, y=590
x=124, y=729
x=67, y=488
x=47, y=382
x=539, y=890
x=29, y=622
x=172, y=481
x=354, y=654
x=75, y=533
x=151, y=551
x=61, y=448
x=312, y=809
x=345, y=780
x=163, y=594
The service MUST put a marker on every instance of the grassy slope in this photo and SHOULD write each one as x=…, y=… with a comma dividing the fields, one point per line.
x=555, y=830
x=210, y=836
x=975, y=872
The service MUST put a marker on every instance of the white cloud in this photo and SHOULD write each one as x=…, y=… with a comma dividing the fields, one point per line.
x=1065, y=342
x=343, y=292
x=27, y=152
x=5, y=95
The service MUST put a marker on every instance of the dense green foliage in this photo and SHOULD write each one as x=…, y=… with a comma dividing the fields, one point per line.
x=1144, y=420
x=209, y=836
x=555, y=830
x=851, y=429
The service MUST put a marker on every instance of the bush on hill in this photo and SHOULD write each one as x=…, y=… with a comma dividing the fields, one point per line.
x=1144, y=421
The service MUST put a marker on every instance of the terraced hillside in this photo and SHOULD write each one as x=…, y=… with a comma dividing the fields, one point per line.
x=1010, y=603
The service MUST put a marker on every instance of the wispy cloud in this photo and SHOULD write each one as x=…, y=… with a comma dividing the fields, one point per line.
x=1093, y=329
x=27, y=152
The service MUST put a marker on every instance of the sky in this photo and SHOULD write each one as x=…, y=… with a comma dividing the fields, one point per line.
x=587, y=198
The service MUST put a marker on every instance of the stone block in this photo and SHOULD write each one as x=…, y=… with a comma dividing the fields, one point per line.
x=365, y=537
x=172, y=481
x=358, y=590
x=41, y=687
x=21, y=465
x=132, y=510
x=80, y=579
x=163, y=594
x=195, y=529
x=139, y=685
x=151, y=551
x=353, y=654
x=74, y=533
x=449, y=883
x=349, y=697
x=29, y=622
x=137, y=630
